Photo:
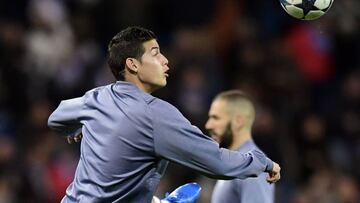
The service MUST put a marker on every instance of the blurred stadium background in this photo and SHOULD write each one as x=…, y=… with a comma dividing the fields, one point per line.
x=304, y=76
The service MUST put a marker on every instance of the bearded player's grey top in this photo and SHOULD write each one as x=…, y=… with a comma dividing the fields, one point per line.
x=250, y=190
x=128, y=136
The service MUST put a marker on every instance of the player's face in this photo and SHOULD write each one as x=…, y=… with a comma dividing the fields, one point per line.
x=219, y=123
x=153, y=67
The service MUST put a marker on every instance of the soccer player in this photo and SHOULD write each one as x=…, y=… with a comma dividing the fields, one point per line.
x=129, y=136
x=231, y=116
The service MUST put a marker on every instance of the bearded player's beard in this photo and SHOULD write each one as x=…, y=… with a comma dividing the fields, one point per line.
x=227, y=137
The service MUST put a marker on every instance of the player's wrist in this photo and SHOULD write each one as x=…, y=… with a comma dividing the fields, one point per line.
x=269, y=165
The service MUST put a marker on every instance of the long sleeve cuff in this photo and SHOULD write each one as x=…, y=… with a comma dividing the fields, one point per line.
x=269, y=165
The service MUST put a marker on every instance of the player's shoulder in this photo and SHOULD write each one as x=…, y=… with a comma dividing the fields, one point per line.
x=96, y=90
x=160, y=105
x=93, y=93
x=157, y=102
x=250, y=145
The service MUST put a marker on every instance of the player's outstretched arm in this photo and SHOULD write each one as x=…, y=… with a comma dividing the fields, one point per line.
x=65, y=118
x=177, y=140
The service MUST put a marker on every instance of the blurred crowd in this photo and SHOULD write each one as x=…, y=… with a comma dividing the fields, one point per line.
x=304, y=77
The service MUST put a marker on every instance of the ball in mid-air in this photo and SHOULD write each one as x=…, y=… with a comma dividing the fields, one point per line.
x=306, y=9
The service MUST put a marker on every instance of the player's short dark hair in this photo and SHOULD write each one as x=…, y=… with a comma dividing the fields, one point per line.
x=128, y=43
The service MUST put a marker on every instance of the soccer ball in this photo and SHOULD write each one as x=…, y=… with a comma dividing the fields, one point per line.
x=306, y=9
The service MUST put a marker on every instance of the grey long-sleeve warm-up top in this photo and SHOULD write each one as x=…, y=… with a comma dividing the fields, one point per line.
x=128, y=138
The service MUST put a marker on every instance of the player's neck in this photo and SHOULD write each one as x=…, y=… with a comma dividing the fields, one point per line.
x=240, y=138
x=142, y=86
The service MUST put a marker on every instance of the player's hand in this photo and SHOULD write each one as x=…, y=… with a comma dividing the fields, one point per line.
x=274, y=175
x=73, y=139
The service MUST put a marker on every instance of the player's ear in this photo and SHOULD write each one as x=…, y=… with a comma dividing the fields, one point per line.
x=131, y=65
x=238, y=121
